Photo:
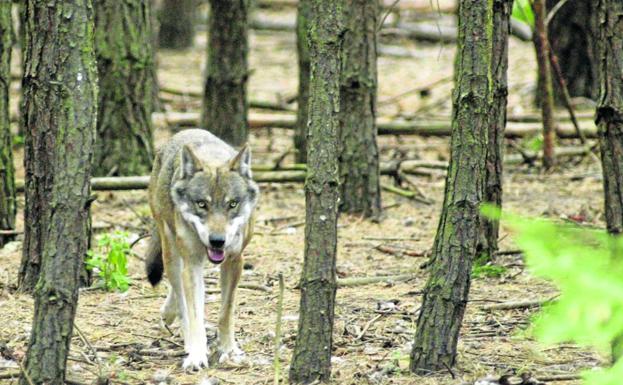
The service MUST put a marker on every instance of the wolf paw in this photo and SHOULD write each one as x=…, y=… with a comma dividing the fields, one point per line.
x=196, y=360
x=230, y=355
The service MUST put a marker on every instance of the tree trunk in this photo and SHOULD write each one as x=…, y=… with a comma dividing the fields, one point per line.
x=457, y=241
x=570, y=39
x=546, y=90
x=495, y=152
x=7, y=171
x=359, y=156
x=225, y=92
x=311, y=360
x=177, y=24
x=125, y=63
x=609, y=37
x=302, y=113
x=60, y=101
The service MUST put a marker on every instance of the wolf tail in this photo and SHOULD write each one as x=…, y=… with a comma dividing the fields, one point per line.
x=154, y=266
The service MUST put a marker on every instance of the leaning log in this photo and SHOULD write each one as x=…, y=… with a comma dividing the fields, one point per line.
x=385, y=127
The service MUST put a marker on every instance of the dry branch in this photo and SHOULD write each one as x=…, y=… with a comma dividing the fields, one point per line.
x=362, y=281
x=518, y=304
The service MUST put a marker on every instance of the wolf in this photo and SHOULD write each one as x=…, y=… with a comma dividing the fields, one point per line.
x=203, y=198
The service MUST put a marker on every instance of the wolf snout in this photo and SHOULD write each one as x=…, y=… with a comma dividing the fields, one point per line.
x=217, y=241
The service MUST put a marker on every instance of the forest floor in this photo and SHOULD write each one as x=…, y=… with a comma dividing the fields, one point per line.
x=374, y=324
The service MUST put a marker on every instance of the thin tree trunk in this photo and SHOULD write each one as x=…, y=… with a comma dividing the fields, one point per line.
x=125, y=61
x=546, y=87
x=570, y=39
x=610, y=108
x=7, y=171
x=457, y=240
x=302, y=113
x=225, y=92
x=60, y=94
x=311, y=360
x=495, y=152
x=359, y=155
x=177, y=24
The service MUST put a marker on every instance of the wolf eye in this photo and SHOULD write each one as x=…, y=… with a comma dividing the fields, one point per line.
x=202, y=204
x=233, y=204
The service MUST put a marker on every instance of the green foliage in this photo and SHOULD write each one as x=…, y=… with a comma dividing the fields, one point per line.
x=18, y=140
x=522, y=11
x=111, y=261
x=533, y=144
x=488, y=271
x=587, y=266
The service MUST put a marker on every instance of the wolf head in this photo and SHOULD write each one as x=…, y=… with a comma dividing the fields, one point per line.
x=216, y=202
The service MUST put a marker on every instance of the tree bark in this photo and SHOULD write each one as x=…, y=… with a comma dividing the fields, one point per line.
x=177, y=24
x=495, y=152
x=311, y=360
x=302, y=113
x=225, y=93
x=7, y=171
x=60, y=94
x=359, y=156
x=570, y=39
x=457, y=240
x=541, y=45
x=125, y=63
x=609, y=37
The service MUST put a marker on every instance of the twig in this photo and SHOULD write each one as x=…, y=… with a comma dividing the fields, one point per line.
x=26, y=375
x=414, y=90
x=389, y=10
x=519, y=304
x=361, y=281
x=552, y=12
x=367, y=326
x=88, y=344
x=250, y=286
x=404, y=193
x=277, y=362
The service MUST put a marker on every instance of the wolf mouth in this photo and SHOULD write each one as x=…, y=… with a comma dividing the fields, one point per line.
x=216, y=256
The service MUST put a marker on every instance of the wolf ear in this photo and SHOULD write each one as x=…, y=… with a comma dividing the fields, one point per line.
x=190, y=163
x=241, y=163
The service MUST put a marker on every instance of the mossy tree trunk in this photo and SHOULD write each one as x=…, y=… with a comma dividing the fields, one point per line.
x=609, y=37
x=311, y=360
x=7, y=171
x=302, y=112
x=224, y=111
x=457, y=241
x=126, y=65
x=570, y=39
x=359, y=155
x=177, y=23
x=60, y=102
x=495, y=152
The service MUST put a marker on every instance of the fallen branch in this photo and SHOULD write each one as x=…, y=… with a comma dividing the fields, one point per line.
x=262, y=104
x=518, y=304
x=404, y=193
x=362, y=281
x=560, y=377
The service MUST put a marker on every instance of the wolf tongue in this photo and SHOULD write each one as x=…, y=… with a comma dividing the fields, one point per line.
x=216, y=255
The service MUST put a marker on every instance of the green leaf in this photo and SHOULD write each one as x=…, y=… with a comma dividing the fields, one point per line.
x=522, y=11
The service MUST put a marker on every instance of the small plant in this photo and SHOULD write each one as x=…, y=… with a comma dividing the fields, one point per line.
x=488, y=271
x=522, y=11
x=587, y=266
x=110, y=263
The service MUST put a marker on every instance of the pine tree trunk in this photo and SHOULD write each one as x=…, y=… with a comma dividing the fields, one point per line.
x=609, y=37
x=541, y=45
x=60, y=102
x=457, y=241
x=311, y=360
x=495, y=152
x=7, y=171
x=302, y=114
x=570, y=39
x=177, y=24
x=125, y=63
x=225, y=92
x=359, y=155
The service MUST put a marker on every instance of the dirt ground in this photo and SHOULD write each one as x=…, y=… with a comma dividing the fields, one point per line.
x=374, y=324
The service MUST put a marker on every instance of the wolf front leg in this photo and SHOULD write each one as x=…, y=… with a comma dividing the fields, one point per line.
x=195, y=341
x=230, y=276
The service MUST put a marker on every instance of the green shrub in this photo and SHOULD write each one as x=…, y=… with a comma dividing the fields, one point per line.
x=587, y=266
x=110, y=262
